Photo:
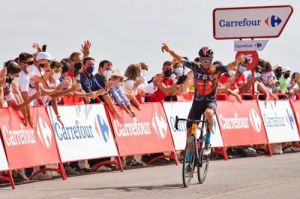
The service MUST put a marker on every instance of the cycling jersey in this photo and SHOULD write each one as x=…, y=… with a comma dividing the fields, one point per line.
x=205, y=81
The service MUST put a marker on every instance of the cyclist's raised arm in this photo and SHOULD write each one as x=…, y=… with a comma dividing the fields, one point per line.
x=165, y=48
x=178, y=58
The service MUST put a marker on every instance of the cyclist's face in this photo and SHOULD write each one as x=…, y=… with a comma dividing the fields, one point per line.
x=206, y=61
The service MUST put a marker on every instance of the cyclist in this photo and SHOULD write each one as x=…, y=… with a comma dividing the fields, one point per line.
x=206, y=77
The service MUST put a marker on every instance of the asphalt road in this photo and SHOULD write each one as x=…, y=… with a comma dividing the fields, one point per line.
x=260, y=177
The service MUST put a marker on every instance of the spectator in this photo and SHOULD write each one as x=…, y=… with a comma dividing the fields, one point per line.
x=13, y=70
x=268, y=77
x=167, y=90
x=278, y=71
x=134, y=84
x=88, y=82
x=293, y=87
x=228, y=82
x=284, y=80
x=56, y=69
x=102, y=76
x=117, y=93
x=104, y=71
x=3, y=73
x=144, y=70
x=77, y=57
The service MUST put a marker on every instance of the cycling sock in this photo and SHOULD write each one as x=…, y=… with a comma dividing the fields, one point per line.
x=188, y=156
x=207, y=138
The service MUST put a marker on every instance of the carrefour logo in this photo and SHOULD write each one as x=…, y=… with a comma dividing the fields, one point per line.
x=104, y=129
x=290, y=118
x=274, y=121
x=160, y=125
x=235, y=122
x=44, y=133
x=181, y=125
x=76, y=131
x=134, y=128
x=273, y=21
x=255, y=120
x=21, y=136
x=239, y=23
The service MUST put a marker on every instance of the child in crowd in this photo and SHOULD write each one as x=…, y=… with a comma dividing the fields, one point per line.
x=117, y=93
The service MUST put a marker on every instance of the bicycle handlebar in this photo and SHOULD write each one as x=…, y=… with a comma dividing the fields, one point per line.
x=177, y=119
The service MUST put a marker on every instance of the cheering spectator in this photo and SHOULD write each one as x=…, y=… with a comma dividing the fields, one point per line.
x=134, y=84
x=268, y=77
x=104, y=71
x=293, y=87
x=102, y=76
x=228, y=83
x=167, y=90
x=117, y=93
x=88, y=82
x=77, y=57
x=284, y=80
x=278, y=71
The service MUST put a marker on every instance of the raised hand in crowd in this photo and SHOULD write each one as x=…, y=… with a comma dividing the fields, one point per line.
x=37, y=47
x=3, y=73
x=240, y=59
x=165, y=48
x=85, y=48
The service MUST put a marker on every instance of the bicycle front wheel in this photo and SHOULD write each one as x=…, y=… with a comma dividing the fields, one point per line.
x=203, y=163
x=188, y=167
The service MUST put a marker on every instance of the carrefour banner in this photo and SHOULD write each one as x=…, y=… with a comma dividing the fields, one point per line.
x=85, y=133
x=3, y=160
x=279, y=121
x=241, y=123
x=148, y=132
x=181, y=109
x=296, y=109
x=25, y=146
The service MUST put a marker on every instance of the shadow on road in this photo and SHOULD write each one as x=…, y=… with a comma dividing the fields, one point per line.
x=136, y=188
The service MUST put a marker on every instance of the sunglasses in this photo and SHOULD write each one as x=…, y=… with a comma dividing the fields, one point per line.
x=205, y=61
x=29, y=62
x=57, y=71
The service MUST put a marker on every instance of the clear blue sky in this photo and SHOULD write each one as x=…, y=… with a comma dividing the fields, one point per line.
x=130, y=31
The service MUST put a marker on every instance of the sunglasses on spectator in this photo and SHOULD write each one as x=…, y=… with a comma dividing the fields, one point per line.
x=28, y=62
x=57, y=71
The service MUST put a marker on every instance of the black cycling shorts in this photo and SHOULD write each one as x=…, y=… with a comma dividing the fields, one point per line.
x=198, y=108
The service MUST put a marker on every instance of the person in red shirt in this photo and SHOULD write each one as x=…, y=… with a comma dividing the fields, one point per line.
x=166, y=85
x=228, y=82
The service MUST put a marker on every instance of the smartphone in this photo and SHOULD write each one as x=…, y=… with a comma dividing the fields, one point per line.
x=44, y=48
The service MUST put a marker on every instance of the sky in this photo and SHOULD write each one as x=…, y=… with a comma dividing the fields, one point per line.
x=131, y=31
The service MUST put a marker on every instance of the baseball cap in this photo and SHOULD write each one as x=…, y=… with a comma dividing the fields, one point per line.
x=278, y=66
x=43, y=55
x=286, y=69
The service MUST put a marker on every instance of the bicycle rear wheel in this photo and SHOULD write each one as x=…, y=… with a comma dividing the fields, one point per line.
x=203, y=163
x=188, y=167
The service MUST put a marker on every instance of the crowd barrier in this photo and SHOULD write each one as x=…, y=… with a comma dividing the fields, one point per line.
x=91, y=131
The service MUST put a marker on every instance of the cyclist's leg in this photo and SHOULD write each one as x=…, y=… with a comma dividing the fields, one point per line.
x=209, y=113
x=195, y=113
